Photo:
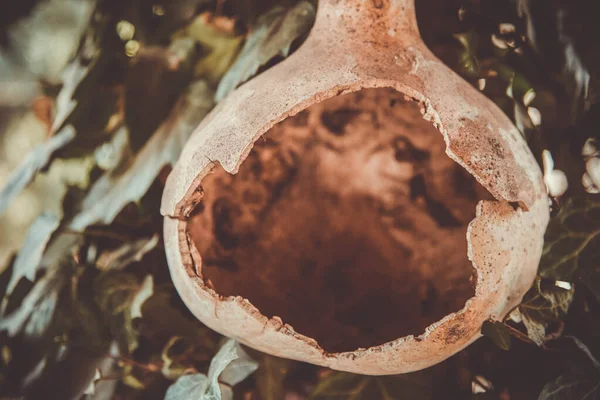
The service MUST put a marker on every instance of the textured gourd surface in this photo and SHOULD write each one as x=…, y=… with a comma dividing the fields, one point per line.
x=346, y=220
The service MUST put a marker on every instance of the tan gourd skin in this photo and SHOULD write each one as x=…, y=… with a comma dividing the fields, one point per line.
x=354, y=45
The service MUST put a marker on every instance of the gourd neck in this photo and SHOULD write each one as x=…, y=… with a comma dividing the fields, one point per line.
x=367, y=19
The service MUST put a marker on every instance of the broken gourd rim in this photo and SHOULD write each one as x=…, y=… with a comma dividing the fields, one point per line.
x=193, y=197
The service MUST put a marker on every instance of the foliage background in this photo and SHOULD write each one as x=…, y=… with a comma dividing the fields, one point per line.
x=96, y=101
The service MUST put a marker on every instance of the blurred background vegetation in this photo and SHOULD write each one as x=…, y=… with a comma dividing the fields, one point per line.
x=97, y=98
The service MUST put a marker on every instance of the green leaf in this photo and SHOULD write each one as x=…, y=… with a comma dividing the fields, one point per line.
x=114, y=291
x=121, y=296
x=220, y=47
x=498, y=333
x=145, y=290
x=271, y=35
x=171, y=369
x=572, y=244
x=343, y=385
x=572, y=387
x=130, y=379
x=468, y=63
x=544, y=304
x=270, y=377
x=202, y=387
x=161, y=322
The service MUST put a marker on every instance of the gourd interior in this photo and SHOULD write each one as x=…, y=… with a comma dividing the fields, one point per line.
x=347, y=220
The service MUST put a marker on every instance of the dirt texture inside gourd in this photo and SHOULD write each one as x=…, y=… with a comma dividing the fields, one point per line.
x=348, y=221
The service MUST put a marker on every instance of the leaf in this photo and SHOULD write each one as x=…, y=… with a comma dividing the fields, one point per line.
x=536, y=330
x=17, y=87
x=126, y=254
x=41, y=317
x=92, y=386
x=56, y=256
x=161, y=321
x=32, y=164
x=73, y=75
x=35, y=373
x=468, y=62
x=31, y=307
x=144, y=292
x=199, y=386
x=29, y=59
x=271, y=35
x=30, y=254
x=586, y=350
x=239, y=369
x=115, y=189
x=188, y=387
x=171, y=369
x=572, y=387
x=542, y=305
x=130, y=379
x=120, y=296
x=176, y=14
x=104, y=388
x=226, y=354
x=270, y=377
x=343, y=385
x=60, y=22
x=155, y=69
x=112, y=153
x=581, y=382
x=572, y=244
x=114, y=291
x=222, y=48
x=496, y=331
x=85, y=370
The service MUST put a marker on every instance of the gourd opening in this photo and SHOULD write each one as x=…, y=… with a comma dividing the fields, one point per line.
x=347, y=220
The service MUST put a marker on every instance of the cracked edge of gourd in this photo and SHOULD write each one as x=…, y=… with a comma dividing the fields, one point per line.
x=191, y=259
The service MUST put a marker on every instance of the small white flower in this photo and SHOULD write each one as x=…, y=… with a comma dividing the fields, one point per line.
x=535, y=115
x=590, y=149
x=481, y=83
x=499, y=42
x=592, y=168
x=588, y=185
x=555, y=180
x=506, y=28
x=528, y=97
